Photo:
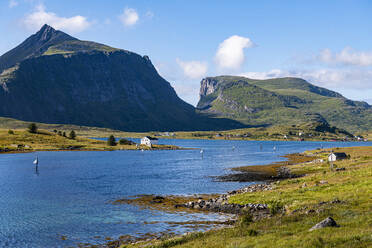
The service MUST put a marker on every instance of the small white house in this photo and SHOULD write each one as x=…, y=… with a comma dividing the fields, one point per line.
x=149, y=141
x=336, y=156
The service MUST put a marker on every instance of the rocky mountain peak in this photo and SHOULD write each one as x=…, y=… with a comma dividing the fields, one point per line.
x=34, y=46
x=46, y=32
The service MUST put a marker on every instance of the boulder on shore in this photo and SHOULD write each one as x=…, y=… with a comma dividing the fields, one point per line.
x=328, y=222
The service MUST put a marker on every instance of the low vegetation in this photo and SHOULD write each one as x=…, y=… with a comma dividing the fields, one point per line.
x=32, y=128
x=111, y=141
x=304, y=131
x=81, y=131
x=297, y=204
x=42, y=140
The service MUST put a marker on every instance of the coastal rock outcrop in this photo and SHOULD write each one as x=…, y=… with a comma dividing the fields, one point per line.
x=221, y=204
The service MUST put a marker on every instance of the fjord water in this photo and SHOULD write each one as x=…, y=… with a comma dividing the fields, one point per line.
x=73, y=192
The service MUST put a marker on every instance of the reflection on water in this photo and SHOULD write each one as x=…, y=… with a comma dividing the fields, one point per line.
x=70, y=192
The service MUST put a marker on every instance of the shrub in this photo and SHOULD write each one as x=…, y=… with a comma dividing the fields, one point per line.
x=252, y=232
x=72, y=135
x=111, y=141
x=32, y=128
x=10, y=132
x=64, y=134
x=245, y=219
x=59, y=133
x=275, y=206
x=125, y=142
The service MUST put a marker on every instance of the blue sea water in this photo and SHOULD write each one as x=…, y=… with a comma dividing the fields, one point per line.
x=72, y=192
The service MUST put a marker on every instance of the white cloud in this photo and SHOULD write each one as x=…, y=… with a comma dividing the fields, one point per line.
x=346, y=56
x=187, y=89
x=265, y=75
x=129, y=17
x=230, y=53
x=193, y=69
x=12, y=3
x=40, y=16
x=334, y=78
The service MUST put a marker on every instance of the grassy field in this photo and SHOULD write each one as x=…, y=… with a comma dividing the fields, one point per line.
x=84, y=131
x=278, y=132
x=24, y=141
x=299, y=203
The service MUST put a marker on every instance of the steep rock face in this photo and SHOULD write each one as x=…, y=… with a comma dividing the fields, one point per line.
x=68, y=81
x=207, y=86
x=280, y=101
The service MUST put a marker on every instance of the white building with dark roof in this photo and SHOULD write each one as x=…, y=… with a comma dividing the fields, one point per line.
x=149, y=141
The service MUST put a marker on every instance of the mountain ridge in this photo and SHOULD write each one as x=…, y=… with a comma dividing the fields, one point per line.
x=53, y=77
x=280, y=101
x=62, y=80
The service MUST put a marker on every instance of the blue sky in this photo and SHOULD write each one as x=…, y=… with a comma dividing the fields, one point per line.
x=329, y=43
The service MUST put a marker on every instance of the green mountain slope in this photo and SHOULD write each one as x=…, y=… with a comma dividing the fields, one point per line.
x=55, y=78
x=280, y=101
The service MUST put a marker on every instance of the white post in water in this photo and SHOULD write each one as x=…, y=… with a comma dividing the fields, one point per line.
x=36, y=161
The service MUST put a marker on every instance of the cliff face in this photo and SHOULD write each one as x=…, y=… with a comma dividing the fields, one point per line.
x=85, y=83
x=207, y=86
x=280, y=101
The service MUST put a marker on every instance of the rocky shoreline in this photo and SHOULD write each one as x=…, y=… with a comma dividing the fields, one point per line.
x=216, y=203
x=281, y=172
x=220, y=204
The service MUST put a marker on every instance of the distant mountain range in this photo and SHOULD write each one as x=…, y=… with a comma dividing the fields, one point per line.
x=284, y=101
x=55, y=78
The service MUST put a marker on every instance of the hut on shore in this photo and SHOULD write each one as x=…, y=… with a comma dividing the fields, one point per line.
x=149, y=141
x=334, y=156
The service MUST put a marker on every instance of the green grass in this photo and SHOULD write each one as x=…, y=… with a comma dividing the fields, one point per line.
x=277, y=132
x=23, y=141
x=353, y=187
x=268, y=133
x=82, y=131
x=73, y=46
